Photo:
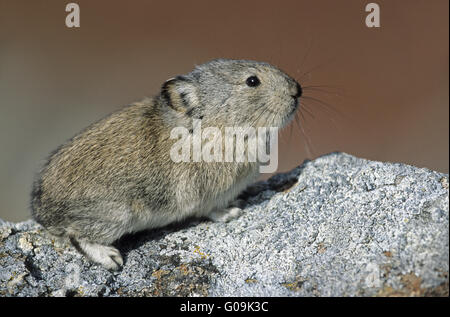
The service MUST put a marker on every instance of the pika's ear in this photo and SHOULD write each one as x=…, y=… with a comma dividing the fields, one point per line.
x=180, y=93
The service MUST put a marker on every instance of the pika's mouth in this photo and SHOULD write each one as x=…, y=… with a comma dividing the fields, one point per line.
x=290, y=115
x=294, y=106
x=298, y=94
x=299, y=91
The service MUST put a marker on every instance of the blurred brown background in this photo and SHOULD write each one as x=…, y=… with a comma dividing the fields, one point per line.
x=389, y=86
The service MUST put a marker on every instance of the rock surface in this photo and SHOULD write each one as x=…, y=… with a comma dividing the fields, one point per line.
x=335, y=226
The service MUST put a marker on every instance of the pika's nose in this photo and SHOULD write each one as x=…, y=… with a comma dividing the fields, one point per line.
x=299, y=91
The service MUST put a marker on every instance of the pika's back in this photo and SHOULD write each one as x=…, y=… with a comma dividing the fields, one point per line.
x=106, y=155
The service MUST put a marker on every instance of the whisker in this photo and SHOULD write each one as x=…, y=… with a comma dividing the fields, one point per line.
x=308, y=111
x=291, y=128
x=307, y=141
x=263, y=110
x=318, y=88
x=322, y=86
x=326, y=106
x=329, y=117
x=306, y=55
x=317, y=67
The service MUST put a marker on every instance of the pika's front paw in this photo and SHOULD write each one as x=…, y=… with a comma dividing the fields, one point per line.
x=225, y=215
x=109, y=257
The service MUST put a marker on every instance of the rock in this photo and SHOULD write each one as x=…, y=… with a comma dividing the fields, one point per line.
x=335, y=226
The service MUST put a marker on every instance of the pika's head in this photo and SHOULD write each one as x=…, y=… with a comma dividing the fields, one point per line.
x=234, y=93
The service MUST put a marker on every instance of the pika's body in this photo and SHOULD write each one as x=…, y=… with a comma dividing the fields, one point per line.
x=117, y=176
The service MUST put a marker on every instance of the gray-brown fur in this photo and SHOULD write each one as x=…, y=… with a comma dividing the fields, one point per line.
x=117, y=177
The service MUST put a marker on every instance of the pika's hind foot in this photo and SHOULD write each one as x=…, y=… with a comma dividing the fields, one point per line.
x=109, y=257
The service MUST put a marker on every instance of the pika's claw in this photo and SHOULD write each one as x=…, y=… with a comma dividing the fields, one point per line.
x=109, y=257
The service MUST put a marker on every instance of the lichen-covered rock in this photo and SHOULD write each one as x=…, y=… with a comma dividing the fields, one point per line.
x=335, y=226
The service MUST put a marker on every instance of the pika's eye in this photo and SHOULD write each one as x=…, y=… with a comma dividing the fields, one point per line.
x=253, y=81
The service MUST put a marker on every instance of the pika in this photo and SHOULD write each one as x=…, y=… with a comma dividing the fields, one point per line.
x=117, y=177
